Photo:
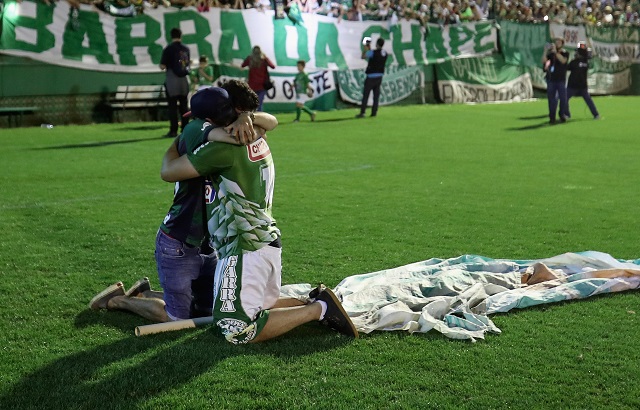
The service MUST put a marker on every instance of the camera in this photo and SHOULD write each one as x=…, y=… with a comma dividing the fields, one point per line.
x=366, y=41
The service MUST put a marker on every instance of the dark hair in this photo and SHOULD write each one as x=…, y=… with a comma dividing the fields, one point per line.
x=243, y=98
x=380, y=42
x=203, y=59
x=176, y=33
x=224, y=116
x=302, y=62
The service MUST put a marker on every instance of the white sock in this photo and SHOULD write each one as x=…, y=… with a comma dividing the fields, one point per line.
x=323, y=304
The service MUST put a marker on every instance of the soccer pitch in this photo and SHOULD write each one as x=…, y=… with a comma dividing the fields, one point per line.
x=80, y=207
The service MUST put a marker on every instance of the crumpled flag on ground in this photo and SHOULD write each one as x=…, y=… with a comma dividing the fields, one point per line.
x=455, y=296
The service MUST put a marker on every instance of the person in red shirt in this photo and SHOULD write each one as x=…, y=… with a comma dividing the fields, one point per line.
x=258, y=72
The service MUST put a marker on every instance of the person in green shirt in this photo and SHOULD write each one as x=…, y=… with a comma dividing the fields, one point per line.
x=247, y=303
x=202, y=77
x=304, y=90
x=185, y=261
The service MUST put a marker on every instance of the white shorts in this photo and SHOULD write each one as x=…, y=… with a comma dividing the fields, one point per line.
x=245, y=287
x=301, y=98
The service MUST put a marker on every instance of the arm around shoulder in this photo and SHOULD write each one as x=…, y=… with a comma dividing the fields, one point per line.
x=175, y=167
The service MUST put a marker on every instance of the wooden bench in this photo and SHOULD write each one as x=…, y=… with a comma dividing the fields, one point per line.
x=136, y=97
x=15, y=114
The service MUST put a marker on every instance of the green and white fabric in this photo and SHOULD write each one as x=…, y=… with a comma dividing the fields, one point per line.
x=456, y=296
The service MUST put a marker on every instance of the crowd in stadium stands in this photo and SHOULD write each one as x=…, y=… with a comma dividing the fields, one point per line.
x=571, y=12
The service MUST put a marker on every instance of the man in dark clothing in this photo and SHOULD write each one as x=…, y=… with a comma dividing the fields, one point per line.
x=577, y=84
x=175, y=61
x=375, y=70
x=554, y=63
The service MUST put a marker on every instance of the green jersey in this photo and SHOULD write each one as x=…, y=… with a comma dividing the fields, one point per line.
x=301, y=82
x=185, y=220
x=243, y=179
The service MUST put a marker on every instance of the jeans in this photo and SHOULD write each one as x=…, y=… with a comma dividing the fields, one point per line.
x=584, y=93
x=261, y=95
x=371, y=84
x=557, y=92
x=186, y=277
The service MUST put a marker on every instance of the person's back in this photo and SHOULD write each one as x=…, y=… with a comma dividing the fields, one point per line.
x=243, y=177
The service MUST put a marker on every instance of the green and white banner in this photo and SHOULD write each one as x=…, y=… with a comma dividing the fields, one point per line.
x=94, y=40
x=619, y=44
x=523, y=43
x=482, y=80
x=615, y=50
x=397, y=84
x=283, y=92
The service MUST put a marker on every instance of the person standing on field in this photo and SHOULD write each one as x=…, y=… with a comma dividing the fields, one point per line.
x=304, y=90
x=258, y=65
x=554, y=63
x=175, y=62
x=377, y=60
x=577, y=84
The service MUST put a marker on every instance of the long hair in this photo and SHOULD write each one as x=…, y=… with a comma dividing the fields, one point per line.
x=256, y=57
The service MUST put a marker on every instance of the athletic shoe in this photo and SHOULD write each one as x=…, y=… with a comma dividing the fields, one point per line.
x=597, y=117
x=296, y=120
x=140, y=286
x=361, y=115
x=316, y=291
x=313, y=116
x=335, y=317
x=101, y=299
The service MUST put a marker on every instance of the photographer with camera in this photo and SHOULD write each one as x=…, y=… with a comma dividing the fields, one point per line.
x=577, y=84
x=554, y=63
x=375, y=70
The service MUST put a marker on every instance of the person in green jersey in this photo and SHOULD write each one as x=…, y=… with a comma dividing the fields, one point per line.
x=304, y=90
x=186, y=263
x=247, y=302
x=202, y=77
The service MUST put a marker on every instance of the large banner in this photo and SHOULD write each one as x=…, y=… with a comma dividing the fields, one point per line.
x=615, y=50
x=482, y=80
x=92, y=39
x=397, y=84
x=523, y=43
x=283, y=92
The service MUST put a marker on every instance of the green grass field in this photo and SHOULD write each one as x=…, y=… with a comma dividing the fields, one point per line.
x=80, y=206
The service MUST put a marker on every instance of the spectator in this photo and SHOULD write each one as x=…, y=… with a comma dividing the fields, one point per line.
x=258, y=65
x=175, y=61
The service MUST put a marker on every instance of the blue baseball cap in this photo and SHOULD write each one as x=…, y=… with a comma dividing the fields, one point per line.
x=210, y=103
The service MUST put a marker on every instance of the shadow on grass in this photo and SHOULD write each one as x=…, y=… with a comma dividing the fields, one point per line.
x=98, y=143
x=322, y=120
x=143, y=127
x=129, y=372
x=535, y=117
x=529, y=127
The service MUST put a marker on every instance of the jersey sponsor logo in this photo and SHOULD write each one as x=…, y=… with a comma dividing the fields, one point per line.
x=258, y=150
x=229, y=285
x=209, y=192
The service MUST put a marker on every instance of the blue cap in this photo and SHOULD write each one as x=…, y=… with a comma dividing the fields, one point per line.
x=210, y=103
